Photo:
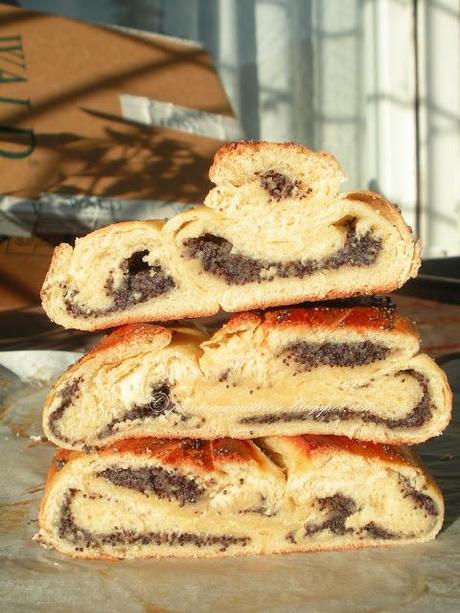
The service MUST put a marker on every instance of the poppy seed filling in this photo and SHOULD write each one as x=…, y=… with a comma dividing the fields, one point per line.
x=339, y=508
x=166, y=484
x=82, y=538
x=69, y=393
x=418, y=416
x=140, y=282
x=159, y=404
x=217, y=258
x=420, y=500
x=311, y=355
x=278, y=185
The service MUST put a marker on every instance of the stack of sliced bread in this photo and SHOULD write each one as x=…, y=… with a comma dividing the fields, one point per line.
x=284, y=429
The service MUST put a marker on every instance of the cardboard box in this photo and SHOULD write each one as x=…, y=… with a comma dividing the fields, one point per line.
x=62, y=130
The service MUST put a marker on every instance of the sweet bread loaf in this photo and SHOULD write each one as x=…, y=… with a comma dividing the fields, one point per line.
x=193, y=498
x=274, y=231
x=322, y=370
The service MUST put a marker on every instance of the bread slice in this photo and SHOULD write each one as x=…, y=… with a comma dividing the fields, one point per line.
x=323, y=370
x=274, y=231
x=193, y=498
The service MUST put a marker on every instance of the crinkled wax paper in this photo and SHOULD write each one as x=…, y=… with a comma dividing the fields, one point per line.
x=412, y=578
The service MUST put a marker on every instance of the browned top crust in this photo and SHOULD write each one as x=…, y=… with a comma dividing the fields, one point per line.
x=357, y=318
x=250, y=146
x=208, y=456
x=311, y=445
x=122, y=335
x=204, y=455
x=256, y=145
x=127, y=332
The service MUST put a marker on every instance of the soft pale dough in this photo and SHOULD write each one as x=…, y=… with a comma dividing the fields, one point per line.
x=192, y=498
x=274, y=231
x=322, y=370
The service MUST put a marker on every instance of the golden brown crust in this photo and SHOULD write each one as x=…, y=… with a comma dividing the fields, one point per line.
x=387, y=208
x=119, y=337
x=208, y=454
x=61, y=456
x=202, y=454
x=312, y=445
x=129, y=332
x=393, y=214
x=296, y=300
x=242, y=147
x=357, y=317
x=128, y=319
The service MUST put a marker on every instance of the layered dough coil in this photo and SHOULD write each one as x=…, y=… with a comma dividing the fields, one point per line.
x=322, y=370
x=273, y=231
x=193, y=498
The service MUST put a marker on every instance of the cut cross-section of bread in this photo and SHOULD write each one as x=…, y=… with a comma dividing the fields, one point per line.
x=114, y=275
x=193, y=498
x=274, y=231
x=322, y=370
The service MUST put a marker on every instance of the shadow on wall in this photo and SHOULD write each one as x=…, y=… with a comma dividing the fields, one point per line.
x=84, y=146
x=133, y=159
x=146, y=162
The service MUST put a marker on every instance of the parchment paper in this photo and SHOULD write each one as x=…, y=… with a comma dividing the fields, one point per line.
x=412, y=578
